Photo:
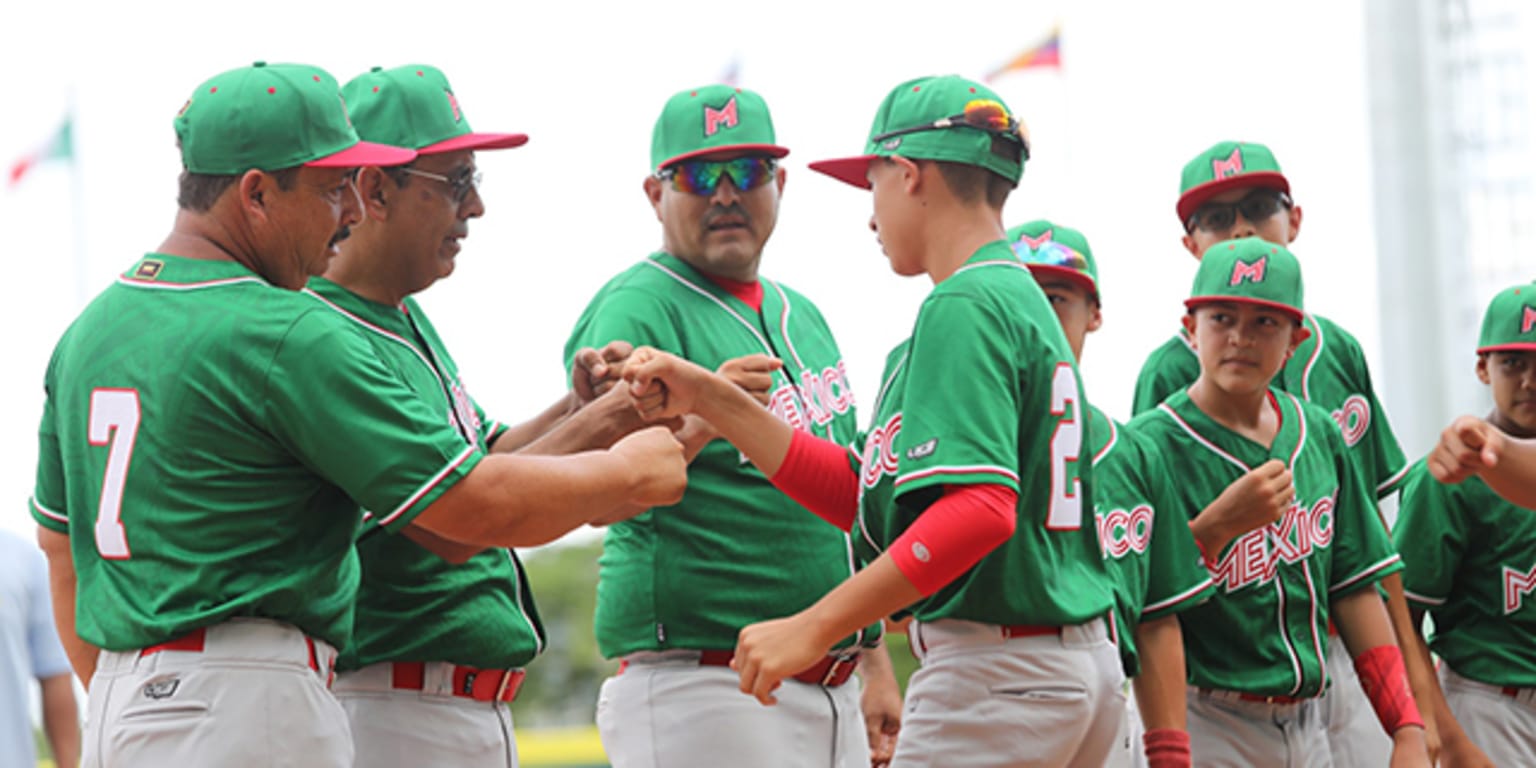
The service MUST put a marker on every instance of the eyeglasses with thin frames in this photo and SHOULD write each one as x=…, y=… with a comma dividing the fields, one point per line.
x=459, y=185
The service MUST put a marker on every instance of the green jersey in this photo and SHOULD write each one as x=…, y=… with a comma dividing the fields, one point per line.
x=985, y=391
x=1143, y=534
x=735, y=550
x=1328, y=369
x=202, y=436
x=1471, y=560
x=411, y=604
x=1266, y=630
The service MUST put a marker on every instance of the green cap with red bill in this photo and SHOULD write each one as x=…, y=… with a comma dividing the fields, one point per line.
x=1509, y=325
x=270, y=117
x=1249, y=271
x=413, y=106
x=1227, y=165
x=1049, y=248
x=940, y=118
x=709, y=120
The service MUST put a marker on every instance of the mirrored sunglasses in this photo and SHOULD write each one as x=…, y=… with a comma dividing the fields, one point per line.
x=701, y=177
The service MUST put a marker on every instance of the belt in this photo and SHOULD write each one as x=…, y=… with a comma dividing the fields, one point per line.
x=1022, y=630
x=1253, y=697
x=194, y=641
x=831, y=671
x=468, y=682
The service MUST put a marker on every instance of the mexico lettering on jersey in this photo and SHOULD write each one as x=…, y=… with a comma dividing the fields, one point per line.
x=412, y=605
x=206, y=442
x=1143, y=534
x=1328, y=369
x=735, y=550
x=1265, y=630
x=1470, y=559
x=985, y=391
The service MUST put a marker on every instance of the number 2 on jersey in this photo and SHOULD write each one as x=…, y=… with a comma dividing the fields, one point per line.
x=1066, y=443
x=114, y=423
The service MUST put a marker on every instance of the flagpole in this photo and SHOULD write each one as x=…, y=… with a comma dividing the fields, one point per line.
x=77, y=206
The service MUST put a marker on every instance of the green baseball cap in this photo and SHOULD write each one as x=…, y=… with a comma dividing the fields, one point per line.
x=711, y=119
x=1050, y=248
x=1249, y=271
x=413, y=106
x=1224, y=166
x=939, y=118
x=1510, y=322
x=273, y=116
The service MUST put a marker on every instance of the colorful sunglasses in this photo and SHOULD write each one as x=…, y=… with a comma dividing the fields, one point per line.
x=1050, y=254
x=701, y=177
x=982, y=114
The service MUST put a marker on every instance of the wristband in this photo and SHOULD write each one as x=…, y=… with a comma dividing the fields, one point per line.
x=1386, y=684
x=1167, y=748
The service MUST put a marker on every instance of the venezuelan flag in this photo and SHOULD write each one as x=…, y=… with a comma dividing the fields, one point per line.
x=1046, y=53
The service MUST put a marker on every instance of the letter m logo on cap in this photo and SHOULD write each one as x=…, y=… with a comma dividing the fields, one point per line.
x=1035, y=242
x=1232, y=165
x=724, y=117
x=1253, y=273
x=453, y=103
x=1527, y=319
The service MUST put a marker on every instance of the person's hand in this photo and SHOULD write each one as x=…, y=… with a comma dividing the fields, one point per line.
x=1468, y=446
x=769, y=651
x=595, y=371
x=655, y=459
x=663, y=385
x=1254, y=500
x=1408, y=750
x=753, y=373
x=881, y=703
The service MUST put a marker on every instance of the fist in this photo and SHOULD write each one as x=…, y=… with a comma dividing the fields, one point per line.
x=1468, y=446
x=1258, y=498
x=753, y=373
x=658, y=470
x=595, y=371
x=662, y=385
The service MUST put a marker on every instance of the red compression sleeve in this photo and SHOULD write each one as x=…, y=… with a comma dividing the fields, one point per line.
x=1167, y=748
x=954, y=534
x=1386, y=685
x=816, y=473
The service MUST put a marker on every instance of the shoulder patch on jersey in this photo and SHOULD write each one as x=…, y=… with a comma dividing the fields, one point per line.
x=923, y=450
x=148, y=269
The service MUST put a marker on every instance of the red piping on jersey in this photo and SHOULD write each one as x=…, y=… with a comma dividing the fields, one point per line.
x=955, y=533
x=816, y=473
x=749, y=292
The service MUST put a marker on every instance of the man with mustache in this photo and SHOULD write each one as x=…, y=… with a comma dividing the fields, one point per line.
x=211, y=430
x=677, y=583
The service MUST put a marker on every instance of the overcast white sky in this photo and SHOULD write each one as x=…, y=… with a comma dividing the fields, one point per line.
x=1145, y=86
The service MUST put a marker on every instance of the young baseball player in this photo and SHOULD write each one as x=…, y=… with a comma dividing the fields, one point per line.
x=970, y=495
x=677, y=583
x=1154, y=558
x=1234, y=190
x=206, y=423
x=1256, y=651
x=1470, y=560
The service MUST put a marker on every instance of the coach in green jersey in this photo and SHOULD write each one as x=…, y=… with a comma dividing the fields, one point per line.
x=1256, y=651
x=677, y=583
x=1146, y=541
x=971, y=495
x=207, y=424
x=1470, y=559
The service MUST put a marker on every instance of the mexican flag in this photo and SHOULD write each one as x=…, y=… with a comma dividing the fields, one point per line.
x=59, y=146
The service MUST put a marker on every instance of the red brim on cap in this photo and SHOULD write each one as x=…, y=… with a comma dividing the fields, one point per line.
x=1190, y=201
x=849, y=170
x=771, y=150
x=1075, y=276
x=1290, y=312
x=365, y=153
x=1524, y=346
x=475, y=141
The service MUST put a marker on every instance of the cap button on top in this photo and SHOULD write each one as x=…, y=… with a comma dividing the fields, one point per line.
x=259, y=64
x=376, y=69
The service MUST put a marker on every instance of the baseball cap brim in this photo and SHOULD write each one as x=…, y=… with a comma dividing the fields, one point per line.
x=771, y=150
x=475, y=141
x=849, y=170
x=365, y=153
x=1075, y=276
x=1197, y=196
x=1519, y=346
x=1288, y=311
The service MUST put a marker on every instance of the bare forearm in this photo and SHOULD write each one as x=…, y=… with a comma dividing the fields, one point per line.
x=1421, y=671
x=1514, y=477
x=763, y=437
x=61, y=590
x=595, y=427
x=519, y=436
x=1362, y=621
x=61, y=720
x=873, y=593
x=1162, y=682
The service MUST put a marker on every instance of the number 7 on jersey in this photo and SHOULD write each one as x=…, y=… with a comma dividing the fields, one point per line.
x=115, y=423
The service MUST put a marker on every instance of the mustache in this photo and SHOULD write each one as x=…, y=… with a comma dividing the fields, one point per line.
x=717, y=212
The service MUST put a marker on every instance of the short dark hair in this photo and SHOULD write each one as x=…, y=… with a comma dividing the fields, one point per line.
x=973, y=184
x=199, y=191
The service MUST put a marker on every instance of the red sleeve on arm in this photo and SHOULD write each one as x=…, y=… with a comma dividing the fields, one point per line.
x=1386, y=685
x=816, y=473
x=954, y=534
